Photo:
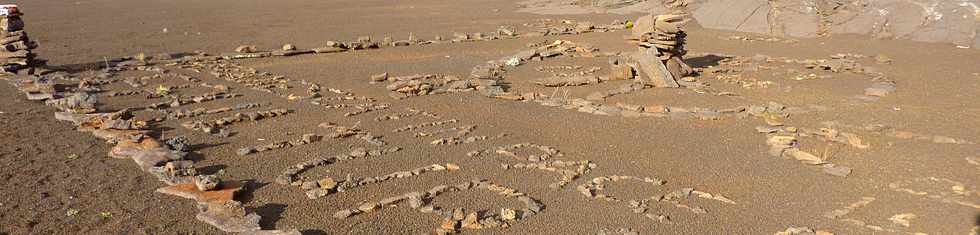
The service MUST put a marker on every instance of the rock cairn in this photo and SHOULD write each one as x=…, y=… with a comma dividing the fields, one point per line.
x=16, y=52
x=661, y=42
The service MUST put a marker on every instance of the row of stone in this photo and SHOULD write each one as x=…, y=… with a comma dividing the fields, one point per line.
x=466, y=140
x=424, y=125
x=578, y=168
x=954, y=192
x=507, y=150
x=456, y=219
x=419, y=85
x=328, y=185
x=306, y=139
x=595, y=188
x=178, y=101
x=215, y=125
x=366, y=42
x=783, y=142
x=410, y=113
x=901, y=134
x=288, y=176
x=163, y=159
x=353, y=131
x=185, y=113
x=460, y=131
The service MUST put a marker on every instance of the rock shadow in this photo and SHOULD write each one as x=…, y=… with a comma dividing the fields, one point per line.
x=704, y=61
x=246, y=195
x=211, y=169
x=102, y=64
x=270, y=213
x=313, y=232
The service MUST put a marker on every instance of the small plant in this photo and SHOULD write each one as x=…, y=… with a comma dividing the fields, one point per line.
x=105, y=214
x=71, y=212
x=162, y=90
x=72, y=156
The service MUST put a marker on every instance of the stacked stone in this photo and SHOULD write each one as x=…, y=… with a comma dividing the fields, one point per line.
x=667, y=37
x=662, y=50
x=661, y=42
x=15, y=54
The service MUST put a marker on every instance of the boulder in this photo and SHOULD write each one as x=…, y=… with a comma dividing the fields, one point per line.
x=948, y=22
x=736, y=15
x=794, y=18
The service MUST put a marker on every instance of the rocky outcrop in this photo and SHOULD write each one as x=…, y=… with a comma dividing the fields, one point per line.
x=950, y=21
x=943, y=21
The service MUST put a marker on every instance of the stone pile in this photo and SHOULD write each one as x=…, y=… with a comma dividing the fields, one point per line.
x=661, y=43
x=16, y=52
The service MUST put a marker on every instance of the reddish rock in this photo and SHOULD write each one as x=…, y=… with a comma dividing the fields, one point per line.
x=127, y=149
x=117, y=135
x=228, y=216
x=904, y=135
x=224, y=192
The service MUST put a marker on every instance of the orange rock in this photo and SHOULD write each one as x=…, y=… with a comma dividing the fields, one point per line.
x=655, y=109
x=126, y=149
x=111, y=134
x=450, y=225
x=904, y=135
x=225, y=192
x=509, y=96
x=472, y=221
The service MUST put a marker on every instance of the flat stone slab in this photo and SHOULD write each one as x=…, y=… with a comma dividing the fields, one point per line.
x=225, y=192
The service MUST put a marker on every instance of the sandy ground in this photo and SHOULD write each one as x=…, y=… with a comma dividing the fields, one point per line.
x=938, y=87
